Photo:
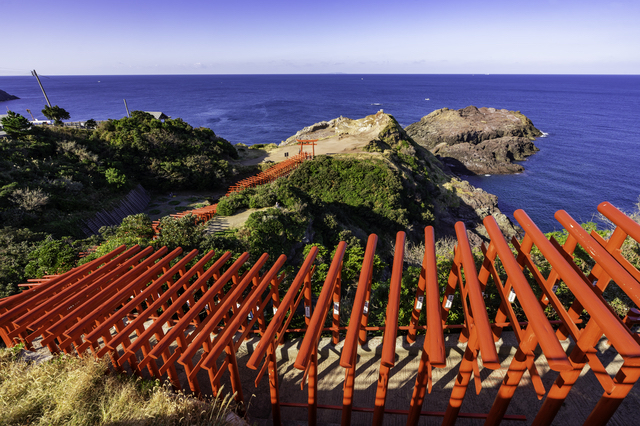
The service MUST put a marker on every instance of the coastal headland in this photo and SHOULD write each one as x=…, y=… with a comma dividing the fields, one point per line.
x=429, y=189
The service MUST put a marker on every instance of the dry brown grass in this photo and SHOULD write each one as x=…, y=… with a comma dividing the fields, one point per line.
x=72, y=391
x=414, y=253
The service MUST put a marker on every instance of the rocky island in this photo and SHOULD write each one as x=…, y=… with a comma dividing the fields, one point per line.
x=4, y=96
x=473, y=141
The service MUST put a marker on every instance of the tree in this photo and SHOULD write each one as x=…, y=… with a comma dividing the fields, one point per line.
x=15, y=124
x=115, y=177
x=56, y=114
x=90, y=124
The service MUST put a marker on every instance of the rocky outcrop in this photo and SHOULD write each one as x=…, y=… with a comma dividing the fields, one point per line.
x=372, y=133
x=493, y=156
x=4, y=96
x=477, y=140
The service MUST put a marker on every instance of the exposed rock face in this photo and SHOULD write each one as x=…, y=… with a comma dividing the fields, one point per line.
x=493, y=156
x=4, y=96
x=470, y=206
x=477, y=141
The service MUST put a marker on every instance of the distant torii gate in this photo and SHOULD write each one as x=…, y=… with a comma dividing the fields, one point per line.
x=311, y=142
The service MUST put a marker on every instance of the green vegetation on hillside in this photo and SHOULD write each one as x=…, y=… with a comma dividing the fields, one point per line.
x=15, y=247
x=344, y=197
x=164, y=155
x=52, y=177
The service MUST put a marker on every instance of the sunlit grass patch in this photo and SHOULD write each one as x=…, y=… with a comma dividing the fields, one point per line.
x=68, y=390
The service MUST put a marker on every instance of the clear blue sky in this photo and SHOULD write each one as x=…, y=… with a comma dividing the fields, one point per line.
x=69, y=37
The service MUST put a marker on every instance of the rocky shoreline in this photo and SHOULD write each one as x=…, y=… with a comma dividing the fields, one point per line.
x=474, y=141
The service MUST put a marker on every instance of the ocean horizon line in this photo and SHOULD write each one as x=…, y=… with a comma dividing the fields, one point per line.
x=27, y=74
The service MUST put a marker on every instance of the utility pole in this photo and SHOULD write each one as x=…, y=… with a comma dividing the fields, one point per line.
x=127, y=108
x=35, y=74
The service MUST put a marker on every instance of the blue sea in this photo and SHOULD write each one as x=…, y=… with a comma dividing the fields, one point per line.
x=590, y=153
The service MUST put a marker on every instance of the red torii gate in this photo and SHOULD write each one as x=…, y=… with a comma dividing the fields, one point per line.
x=311, y=142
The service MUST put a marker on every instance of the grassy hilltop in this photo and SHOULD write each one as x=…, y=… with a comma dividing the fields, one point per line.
x=372, y=178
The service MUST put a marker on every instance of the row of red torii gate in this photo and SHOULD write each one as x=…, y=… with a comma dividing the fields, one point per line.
x=281, y=169
x=155, y=313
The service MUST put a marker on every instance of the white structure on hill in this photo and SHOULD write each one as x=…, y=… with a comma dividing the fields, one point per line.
x=158, y=115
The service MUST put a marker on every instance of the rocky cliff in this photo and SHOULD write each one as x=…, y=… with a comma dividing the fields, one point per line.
x=477, y=140
x=4, y=96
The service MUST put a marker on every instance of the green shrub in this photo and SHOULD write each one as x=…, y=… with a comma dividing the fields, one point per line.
x=352, y=263
x=368, y=192
x=138, y=225
x=134, y=229
x=263, y=197
x=55, y=113
x=180, y=232
x=51, y=257
x=90, y=124
x=15, y=124
x=274, y=231
x=165, y=155
x=228, y=205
